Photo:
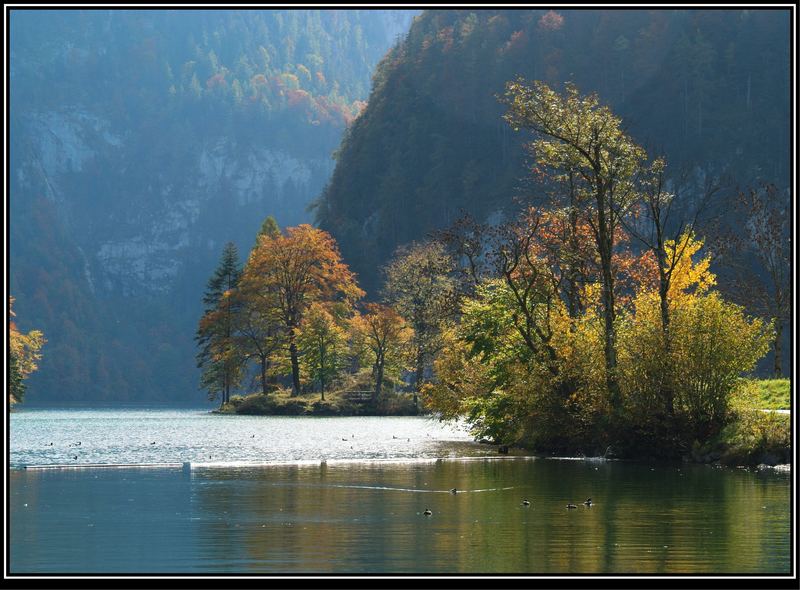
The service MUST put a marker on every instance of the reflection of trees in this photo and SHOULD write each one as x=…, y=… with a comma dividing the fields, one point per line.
x=306, y=518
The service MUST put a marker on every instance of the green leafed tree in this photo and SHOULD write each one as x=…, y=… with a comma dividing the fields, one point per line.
x=323, y=346
x=421, y=287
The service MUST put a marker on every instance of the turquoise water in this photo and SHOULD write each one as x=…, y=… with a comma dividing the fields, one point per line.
x=271, y=505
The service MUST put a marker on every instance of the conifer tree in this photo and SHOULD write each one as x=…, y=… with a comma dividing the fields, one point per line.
x=219, y=358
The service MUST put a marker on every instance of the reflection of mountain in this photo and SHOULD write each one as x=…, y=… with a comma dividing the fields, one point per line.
x=142, y=141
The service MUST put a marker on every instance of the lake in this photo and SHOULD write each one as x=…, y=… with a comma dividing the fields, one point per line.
x=241, y=494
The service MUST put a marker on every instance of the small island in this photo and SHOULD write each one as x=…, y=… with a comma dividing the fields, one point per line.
x=337, y=403
x=588, y=324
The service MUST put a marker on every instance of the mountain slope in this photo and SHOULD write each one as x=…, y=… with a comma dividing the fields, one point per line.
x=144, y=140
x=709, y=89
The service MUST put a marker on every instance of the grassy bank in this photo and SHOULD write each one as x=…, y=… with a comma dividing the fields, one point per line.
x=765, y=394
x=753, y=436
x=281, y=403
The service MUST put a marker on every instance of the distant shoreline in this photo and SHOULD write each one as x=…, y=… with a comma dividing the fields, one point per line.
x=335, y=404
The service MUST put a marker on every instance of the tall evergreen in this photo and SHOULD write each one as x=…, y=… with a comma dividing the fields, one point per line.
x=218, y=356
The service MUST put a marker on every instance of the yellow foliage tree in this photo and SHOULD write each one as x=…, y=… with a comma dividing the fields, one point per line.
x=24, y=353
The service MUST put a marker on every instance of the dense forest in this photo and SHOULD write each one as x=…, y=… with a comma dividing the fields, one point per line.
x=143, y=140
x=707, y=89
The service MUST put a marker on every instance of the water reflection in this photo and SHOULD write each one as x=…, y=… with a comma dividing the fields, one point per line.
x=368, y=517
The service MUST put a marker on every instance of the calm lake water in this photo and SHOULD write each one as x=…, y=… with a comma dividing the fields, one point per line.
x=289, y=495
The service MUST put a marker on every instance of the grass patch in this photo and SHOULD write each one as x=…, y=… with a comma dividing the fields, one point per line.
x=753, y=436
x=764, y=394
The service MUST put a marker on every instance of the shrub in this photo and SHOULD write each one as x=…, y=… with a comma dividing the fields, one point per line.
x=755, y=436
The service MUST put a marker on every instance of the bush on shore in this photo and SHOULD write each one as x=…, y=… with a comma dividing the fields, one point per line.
x=280, y=403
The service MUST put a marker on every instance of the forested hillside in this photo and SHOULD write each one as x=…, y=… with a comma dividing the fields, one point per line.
x=707, y=89
x=142, y=141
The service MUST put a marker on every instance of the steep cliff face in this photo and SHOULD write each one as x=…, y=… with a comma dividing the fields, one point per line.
x=138, y=217
x=141, y=143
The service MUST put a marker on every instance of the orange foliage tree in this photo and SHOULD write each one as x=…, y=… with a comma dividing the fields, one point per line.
x=298, y=268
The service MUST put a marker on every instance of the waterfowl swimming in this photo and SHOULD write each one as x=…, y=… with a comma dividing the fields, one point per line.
x=588, y=502
x=345, y=440
x=571, y=506
x=75, y=456
x=526, y=503
x=427, y=512
x=152, y=443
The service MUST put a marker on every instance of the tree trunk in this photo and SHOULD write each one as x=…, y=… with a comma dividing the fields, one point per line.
x=322, y=373
x=663, y=290
x=777, y=346
x=295, y=369
x=378, y=381
x=418, y=378
x=610, y=335
x=264, y=375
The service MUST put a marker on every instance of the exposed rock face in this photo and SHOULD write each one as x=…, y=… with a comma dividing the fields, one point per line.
x=163, y=222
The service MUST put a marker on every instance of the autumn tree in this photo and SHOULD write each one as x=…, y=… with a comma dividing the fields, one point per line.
x=712, y=343
x=665, y=232
x=299, y=268
x=219, y=358
x=386, y=337
x=420, y=286
x=16, y=385
x=580, y=137
x=259, y=326
x=24, y=352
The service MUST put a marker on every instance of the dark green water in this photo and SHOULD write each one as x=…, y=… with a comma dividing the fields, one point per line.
x=352, y=517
